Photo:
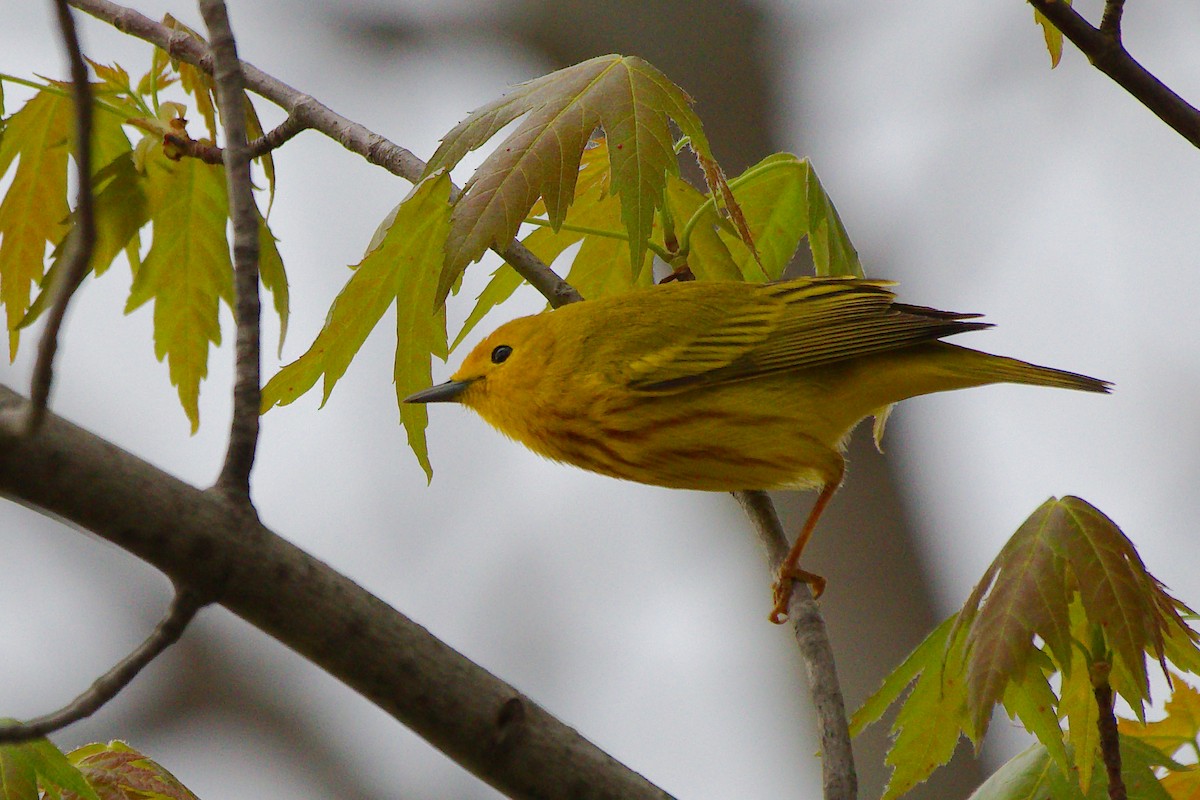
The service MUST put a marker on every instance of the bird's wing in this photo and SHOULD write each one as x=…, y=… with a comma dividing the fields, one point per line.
x=791, y=326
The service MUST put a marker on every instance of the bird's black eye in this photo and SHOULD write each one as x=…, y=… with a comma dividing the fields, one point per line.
x=501, y=354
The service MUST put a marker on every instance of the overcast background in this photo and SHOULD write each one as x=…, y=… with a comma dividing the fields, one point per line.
x=962, y=167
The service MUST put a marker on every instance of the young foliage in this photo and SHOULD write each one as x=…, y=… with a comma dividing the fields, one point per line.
x=34, y=208
x=117, y=771
x=25, y=768
x=1053, y=36
x=401, y=268
x=1176, y=735
x=630, y=99
x=187, y=270
x=1034, y=775
x=1070, y=578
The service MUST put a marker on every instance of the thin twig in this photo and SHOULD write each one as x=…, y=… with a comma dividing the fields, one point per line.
x=1103, y=48
x=839, y=779
x=1110, y=743
x=209, y=153
x=81, y=239
x=277, y=136
x=310, y=113
x=247, y=394
x=183, y=609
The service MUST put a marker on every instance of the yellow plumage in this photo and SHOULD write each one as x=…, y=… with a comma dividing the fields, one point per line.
x=722, y=386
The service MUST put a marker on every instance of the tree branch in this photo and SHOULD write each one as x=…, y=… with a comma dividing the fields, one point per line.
x=839, y=779
x=81, y=239
x=1106, y=723
x=1104, y=49
x=312, y=114
x=219, y=549
x=183, y=609
x=247, y=394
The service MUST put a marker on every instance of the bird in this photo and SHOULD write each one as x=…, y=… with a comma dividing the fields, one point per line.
x=724, y=386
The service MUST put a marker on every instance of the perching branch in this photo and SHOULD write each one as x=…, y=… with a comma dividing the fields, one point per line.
x=223, y=552
x=310, y=113
x=183, y=609
x=247, y=387
x=839, y=779
x=81, y=240
x=1104, y=49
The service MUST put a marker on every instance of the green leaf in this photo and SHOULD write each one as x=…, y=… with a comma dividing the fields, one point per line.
x=187, y=271
x=34, y=208
x=1053, y=36
x=1033, y=775
x=929, y=654
x=928, y=725
x=504, y=282
x=625, y=95
x=833, y=254
x=1078, y=706
x=119, y=771
x=773, y=196
x=273, y=276
x=708, y=255
x=24, y=766
x=1030, y=699
x=401, y=267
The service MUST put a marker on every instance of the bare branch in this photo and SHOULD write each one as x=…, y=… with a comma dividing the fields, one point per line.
x=81, y=240
x=223, y=552
x=247, y=387
x=277, y=136
x=183, y=609
x=839, y=779
x=309, y=113
x=1103, y=48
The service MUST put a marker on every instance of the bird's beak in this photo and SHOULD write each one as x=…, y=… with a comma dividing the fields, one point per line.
x=447, y=392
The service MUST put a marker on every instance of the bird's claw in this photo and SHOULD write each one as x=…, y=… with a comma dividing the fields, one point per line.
x=782, y=590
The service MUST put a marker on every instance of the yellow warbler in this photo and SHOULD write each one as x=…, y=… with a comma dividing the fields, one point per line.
x=723, y=386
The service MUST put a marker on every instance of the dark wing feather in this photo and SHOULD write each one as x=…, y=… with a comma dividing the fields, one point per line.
x=797, y=325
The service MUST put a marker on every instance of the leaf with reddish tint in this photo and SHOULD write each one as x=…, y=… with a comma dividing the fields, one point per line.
x=630, y=99
x=118, y=772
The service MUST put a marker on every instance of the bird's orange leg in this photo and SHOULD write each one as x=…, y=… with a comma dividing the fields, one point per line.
x=789, y=570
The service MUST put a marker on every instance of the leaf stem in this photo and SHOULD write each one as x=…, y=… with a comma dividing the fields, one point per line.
x=659, y=251
x=710, y=203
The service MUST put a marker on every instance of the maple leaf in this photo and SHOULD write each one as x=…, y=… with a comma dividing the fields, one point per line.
x=626, y=96
x=34, y=208
x=116, y=770
x=1033, y=775
x=1053, y=36
x=187, y=271
x=1069, y=577
x=398, y=268
x=37, y=763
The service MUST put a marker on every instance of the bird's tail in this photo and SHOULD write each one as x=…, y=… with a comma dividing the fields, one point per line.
x=988, y=368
